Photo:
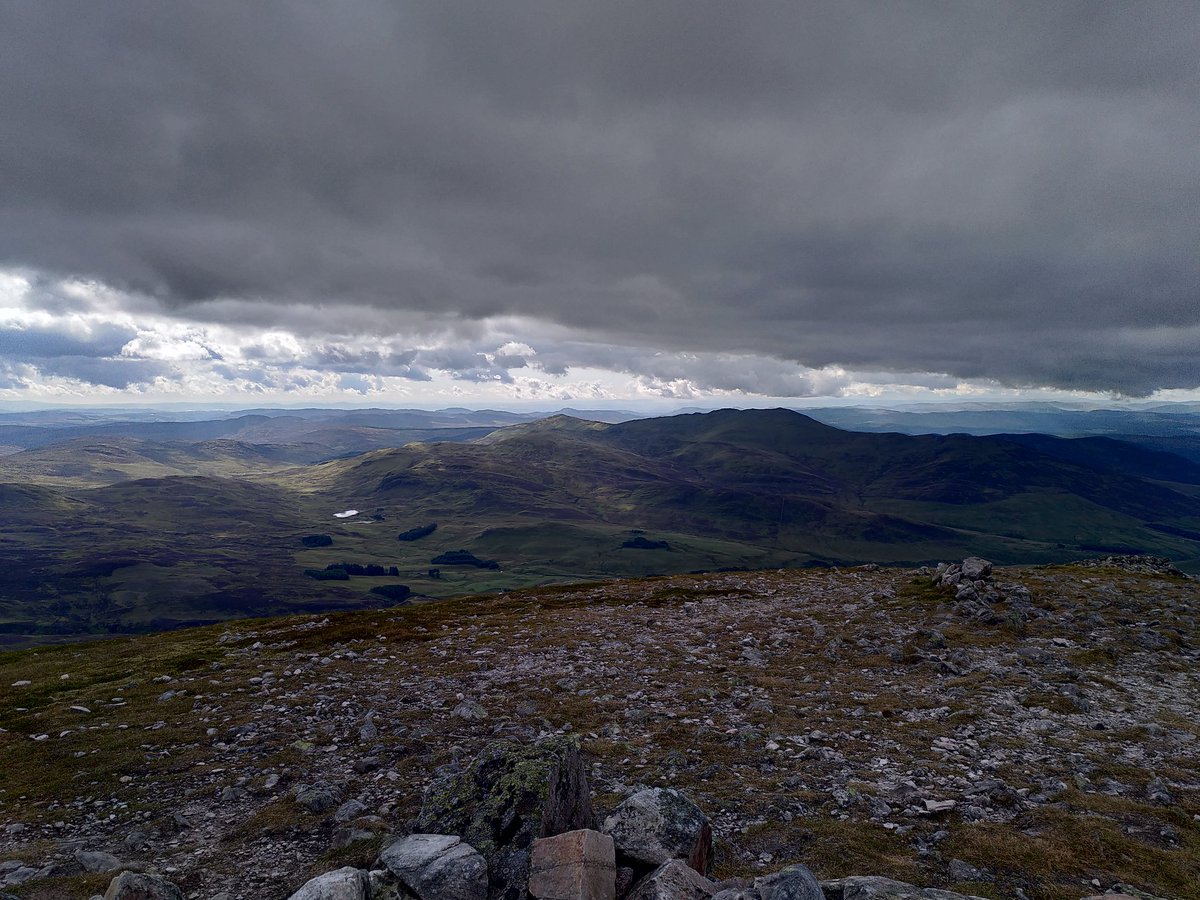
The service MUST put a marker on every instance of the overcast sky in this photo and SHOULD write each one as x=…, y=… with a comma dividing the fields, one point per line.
x=410, y=203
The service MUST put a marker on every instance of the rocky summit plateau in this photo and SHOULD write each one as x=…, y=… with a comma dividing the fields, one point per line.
x=840, y=734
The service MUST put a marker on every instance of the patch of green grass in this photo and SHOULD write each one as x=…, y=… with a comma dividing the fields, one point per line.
x=837, y=849
x=1094, y=656
x=1054, y=702
x=1067, y=849
x=359, y=854
x=279, y=817
x=56, y=888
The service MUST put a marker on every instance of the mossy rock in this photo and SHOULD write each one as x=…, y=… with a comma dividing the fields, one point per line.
x=510, y=795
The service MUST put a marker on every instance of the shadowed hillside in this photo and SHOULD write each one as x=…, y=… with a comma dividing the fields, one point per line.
x=561, y=499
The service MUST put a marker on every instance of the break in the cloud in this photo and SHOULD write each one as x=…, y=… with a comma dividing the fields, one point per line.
x=773, y=198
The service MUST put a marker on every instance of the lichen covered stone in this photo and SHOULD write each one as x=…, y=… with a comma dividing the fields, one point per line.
x=507, y=797
x=659, y=824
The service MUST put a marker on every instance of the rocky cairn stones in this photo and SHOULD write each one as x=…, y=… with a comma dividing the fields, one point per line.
x=517, y=823
x=975, y=569
x=977, y=593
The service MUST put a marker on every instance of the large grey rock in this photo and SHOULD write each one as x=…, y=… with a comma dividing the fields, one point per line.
x=793, y=883
x=469, y=710
x=509, y=796
x=976, y=569
x=575, y=865
x=351, y=809
x=872, y=887
x=316, y=798
x=21, y=874
x=673, y=880
x=139, y=886
x=659, y=824
x=438, y=867
x=736, y=893
x=97, y=861
x=341, y=884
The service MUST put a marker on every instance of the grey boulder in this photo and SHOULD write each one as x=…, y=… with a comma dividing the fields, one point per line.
x=976, y=569
x=139, y=886
x=793, y=883
x=341, y=884
x=315, y=798
x=437, y=867
x=349, y=810
x=97, y=861
x=872, y=887
x=659, y=824
x=673, y=880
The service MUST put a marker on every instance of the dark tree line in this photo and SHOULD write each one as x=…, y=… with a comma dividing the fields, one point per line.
x=464, y=558
x=342, y=571
x=415, y=534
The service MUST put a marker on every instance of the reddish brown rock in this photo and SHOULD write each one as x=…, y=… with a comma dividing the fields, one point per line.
x=576, y=865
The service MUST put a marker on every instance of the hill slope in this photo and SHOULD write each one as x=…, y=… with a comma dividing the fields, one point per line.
x=781, y=481
x=566, y=499
x=815, y=717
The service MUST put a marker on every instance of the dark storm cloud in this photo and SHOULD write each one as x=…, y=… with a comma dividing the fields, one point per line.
x=1004, y=190
x=90, y=355
x=119, y=373
x=113, y=373
x=34, y=342
x=340, y=358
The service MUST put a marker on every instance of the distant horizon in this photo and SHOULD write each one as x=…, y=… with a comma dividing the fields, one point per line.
x=613, y=406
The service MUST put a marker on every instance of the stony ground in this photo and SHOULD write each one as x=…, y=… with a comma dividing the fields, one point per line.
x=1039, y=740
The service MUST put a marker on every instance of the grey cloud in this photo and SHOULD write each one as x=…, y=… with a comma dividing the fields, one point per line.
x=114, y=373
x=509, y=360
x=363, y=384
x=254, y=374
x=345, y=359
x=36, y=342
x=349, y=360
x=90, y=356
x=1003, y=190
x=13, y=377
x=260, y=378
x=701, y=371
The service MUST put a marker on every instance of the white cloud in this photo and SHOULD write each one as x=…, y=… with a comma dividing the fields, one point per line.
x=151, y=345
x=90, y=347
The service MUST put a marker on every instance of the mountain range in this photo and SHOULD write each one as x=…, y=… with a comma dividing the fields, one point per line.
x=129, y=532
